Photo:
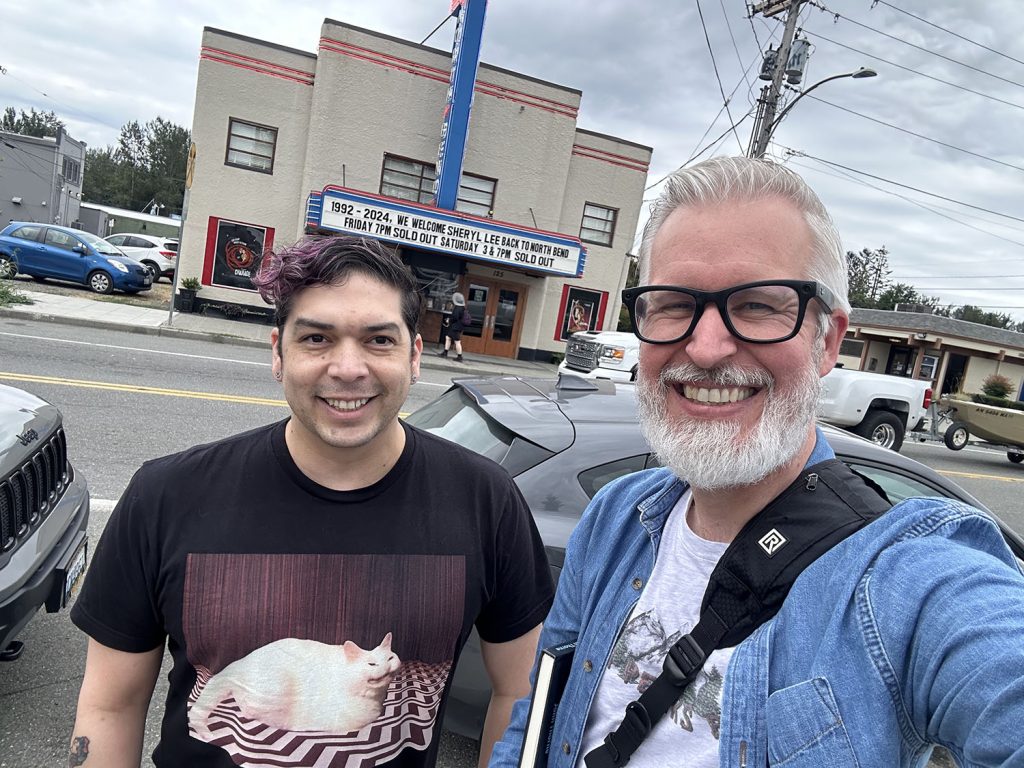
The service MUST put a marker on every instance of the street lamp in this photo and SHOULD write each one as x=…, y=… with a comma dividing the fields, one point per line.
x=858, y=74
x=765, y=125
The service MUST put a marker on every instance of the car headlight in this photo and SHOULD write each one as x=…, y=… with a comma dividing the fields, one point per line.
x=118, y=266
x=615, y=353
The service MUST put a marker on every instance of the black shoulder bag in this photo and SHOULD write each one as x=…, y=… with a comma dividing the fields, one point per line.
x=827, y=503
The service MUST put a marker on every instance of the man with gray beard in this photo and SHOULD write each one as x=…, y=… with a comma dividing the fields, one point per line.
x=904, y=635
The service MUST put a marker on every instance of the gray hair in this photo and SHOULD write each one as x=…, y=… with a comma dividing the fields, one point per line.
x=743, y=179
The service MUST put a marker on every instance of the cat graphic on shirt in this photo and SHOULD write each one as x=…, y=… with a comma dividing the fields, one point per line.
x=302, y=685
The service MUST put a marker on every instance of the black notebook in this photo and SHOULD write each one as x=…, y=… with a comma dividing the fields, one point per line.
x=552, y=673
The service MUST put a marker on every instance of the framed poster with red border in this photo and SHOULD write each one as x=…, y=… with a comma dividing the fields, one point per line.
x=580, y=309
x=234, y=251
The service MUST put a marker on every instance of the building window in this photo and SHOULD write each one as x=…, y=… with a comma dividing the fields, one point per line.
x=598, y=225
x=71, y=170
x=851, y=348
x=251, y=146
x=412, y=180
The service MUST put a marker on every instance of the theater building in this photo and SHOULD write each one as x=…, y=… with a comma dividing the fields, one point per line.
x=541, y=212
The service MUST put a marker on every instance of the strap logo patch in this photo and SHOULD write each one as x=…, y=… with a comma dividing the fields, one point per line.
x=772, y=542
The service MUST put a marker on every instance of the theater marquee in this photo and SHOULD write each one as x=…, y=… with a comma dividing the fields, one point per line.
x=447, y=232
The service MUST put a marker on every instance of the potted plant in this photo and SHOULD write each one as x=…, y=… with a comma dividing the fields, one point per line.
x=187, y=290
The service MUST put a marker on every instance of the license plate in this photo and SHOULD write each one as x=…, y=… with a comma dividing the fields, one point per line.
x=147, y=281
x=75, y=573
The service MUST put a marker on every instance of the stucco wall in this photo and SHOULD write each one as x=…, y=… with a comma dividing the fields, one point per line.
x=978, y=369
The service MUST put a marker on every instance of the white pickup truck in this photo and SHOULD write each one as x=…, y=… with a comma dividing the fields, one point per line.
x=876, y=406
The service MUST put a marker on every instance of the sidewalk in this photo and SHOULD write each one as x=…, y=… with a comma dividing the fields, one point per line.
x=76, y=310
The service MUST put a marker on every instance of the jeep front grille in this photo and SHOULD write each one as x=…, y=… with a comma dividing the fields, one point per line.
x=582, y=355
x=29, y=493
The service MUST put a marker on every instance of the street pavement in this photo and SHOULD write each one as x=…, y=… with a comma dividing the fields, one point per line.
x=78, y=310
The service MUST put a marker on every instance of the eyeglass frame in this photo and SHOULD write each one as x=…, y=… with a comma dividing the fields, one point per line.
x=805, y=291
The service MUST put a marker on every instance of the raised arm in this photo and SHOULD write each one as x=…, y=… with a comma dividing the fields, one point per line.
x=112, y=707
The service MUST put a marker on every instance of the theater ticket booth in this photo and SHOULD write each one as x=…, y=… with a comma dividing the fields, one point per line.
x=439, y=245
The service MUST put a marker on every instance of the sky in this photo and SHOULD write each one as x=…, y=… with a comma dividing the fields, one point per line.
x=926, y=159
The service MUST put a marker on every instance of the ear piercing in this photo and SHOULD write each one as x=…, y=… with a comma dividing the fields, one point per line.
x=414, y=379
x=277, y=375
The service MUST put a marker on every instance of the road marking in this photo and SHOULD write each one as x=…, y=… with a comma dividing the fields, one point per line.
x=142, y=390
x=980, y=476
x=138, y=389
x=162, y=352
x=136, y=349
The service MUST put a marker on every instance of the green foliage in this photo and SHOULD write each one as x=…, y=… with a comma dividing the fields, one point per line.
x=868, y=273
x=998, y=402
x=10, y=294
x=31, y=123
x=190, y=284
x=997, y=385
x=146, y=168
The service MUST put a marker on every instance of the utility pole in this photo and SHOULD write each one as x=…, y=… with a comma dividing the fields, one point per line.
x=769, y=99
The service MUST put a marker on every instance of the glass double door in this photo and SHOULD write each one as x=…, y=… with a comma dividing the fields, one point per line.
x=497, y=310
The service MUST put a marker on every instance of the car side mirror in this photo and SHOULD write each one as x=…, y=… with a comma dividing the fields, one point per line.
x=80, y=249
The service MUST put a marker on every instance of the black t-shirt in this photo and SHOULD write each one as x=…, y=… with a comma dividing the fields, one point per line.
x=310, y=626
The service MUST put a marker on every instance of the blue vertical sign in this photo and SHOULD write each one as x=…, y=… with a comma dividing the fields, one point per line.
x=469, y=32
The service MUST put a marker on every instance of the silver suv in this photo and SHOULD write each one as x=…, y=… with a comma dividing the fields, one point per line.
x=44, y=508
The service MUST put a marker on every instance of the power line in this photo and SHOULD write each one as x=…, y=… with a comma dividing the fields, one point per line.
x=739, y=59
x=950, y=59
x=953, y=277
x=919, y=204
x=907, y=186
x=947, y=31
x=718, y=77
x=918, y=135
x=916, y=72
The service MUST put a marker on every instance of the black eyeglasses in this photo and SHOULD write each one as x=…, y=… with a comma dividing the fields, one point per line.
x=764, y=312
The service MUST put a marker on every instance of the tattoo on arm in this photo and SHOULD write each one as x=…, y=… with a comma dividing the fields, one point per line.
x=79, y=751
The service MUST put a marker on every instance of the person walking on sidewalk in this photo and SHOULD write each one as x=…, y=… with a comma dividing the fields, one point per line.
x=457, y=322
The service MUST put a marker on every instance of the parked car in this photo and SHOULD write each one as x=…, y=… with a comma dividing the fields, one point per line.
x=563, y=439
x=44, y=251
x=44, y=508
x=158, y=254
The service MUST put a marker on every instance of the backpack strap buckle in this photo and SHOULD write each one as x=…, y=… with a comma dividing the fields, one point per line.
x=685, y=658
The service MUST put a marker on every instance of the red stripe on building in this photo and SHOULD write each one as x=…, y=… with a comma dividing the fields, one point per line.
x=262, y=62
x=634, y=165
x=231, y=63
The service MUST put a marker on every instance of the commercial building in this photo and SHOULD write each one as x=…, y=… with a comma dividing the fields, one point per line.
x=955, y=355
x=41, y=179
x=346, y=140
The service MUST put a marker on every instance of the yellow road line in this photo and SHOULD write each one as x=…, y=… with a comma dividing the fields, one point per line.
x=979, y=476
x=28, y=377
x=32, y=378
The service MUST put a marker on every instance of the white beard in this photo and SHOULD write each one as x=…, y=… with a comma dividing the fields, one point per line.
x=710, y=454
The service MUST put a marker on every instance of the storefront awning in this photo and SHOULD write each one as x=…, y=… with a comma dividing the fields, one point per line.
x=449, y=232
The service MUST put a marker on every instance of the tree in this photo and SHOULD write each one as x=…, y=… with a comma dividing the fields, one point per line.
x=146, y=167
x=31, y=123
x=868, y=273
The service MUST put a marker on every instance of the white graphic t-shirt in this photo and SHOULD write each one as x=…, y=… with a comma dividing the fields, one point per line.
x=668, y=608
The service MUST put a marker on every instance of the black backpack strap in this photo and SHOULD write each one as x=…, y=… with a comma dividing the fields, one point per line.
x=822, y=507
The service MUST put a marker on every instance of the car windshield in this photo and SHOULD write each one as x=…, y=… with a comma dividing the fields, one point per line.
x=454, y=416
x=101, y=245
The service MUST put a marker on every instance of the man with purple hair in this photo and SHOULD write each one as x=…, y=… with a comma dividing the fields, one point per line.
x=315, y=579
x=906, y=634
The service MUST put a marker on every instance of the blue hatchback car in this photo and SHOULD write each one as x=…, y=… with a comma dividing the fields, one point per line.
x=45, y=251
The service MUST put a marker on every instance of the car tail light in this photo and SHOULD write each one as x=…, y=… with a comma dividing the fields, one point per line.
x=927, y=398
x=168, y=254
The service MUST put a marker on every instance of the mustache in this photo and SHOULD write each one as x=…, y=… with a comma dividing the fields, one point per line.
x=722, y=376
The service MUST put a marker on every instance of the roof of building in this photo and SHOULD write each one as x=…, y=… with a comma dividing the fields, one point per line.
x=937, y=324
x=127, y=214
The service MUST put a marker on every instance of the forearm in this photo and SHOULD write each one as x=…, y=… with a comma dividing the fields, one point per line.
x=498, y=713
x=107, y=738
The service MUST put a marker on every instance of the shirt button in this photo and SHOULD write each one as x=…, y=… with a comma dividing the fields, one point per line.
x=588, y=665
x=566, y=748
x=637, y=583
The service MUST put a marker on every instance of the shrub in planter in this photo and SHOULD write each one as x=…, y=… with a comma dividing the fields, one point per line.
x=997, y=385
x=187, y=290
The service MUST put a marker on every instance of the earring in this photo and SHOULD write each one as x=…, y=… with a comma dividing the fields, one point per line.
x=414, y=379
x=277, y=375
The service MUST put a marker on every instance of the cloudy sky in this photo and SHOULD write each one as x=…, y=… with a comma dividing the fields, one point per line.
x=946, y=202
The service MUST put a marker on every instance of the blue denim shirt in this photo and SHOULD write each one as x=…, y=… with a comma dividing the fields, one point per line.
x=908, y=633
